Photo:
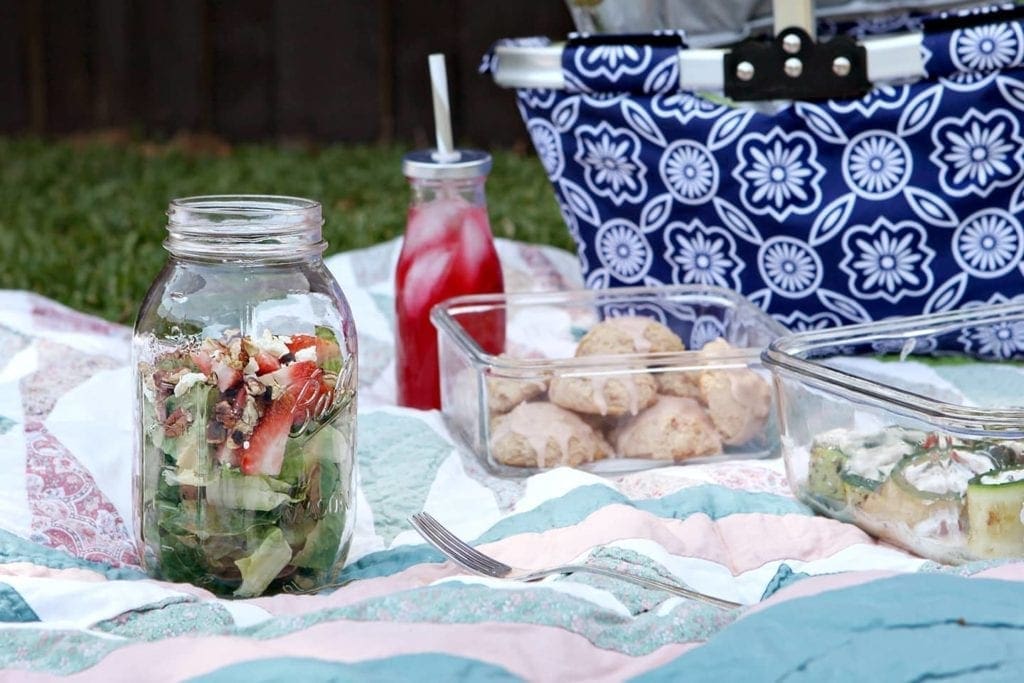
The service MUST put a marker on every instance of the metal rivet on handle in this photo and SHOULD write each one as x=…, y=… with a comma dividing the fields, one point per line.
x=841, y=66
x=744, y=71
x=793, y=67
x=791, y=44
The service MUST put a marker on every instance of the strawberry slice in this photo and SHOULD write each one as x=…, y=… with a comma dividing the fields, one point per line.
x=203, y=362
x=266, y=363
x=328, y=354
x=227, y=376
x=299, y=342
x=263, y=452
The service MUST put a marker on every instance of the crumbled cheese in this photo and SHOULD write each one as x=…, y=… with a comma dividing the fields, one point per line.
x=308, y=353
x=948, y=475
x=187, y=381
x=874, y=461
x=252, y=367
x=275, y=346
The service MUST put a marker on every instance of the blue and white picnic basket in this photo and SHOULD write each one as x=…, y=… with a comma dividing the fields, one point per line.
x=836, y=181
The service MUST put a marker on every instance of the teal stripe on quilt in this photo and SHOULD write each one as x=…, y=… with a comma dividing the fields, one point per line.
x=558, y=513
x=386, y=444
x=910, y=627
x=388, y=562
x=718, y=501
x=13, y=608
x=420, y=667
x=51, y=651
x=710, y=499
x=575, y=506
x=16, y=549
x=638, y=633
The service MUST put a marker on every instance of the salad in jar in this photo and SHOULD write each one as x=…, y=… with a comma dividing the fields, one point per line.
x=246, y=478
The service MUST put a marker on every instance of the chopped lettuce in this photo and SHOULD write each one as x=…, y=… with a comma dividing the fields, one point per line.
x=189, y=449
x=293, y=466
x=205, y=521
x=263, y=566
x=226, y=488
x=321, y=548
x=332, y=363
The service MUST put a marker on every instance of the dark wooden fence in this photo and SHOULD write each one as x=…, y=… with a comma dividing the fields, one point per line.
x=321, y=70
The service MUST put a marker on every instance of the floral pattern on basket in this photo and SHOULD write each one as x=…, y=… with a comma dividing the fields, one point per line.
x=908, y=200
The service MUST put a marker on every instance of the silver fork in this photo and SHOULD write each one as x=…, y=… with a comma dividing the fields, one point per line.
x=468, y=557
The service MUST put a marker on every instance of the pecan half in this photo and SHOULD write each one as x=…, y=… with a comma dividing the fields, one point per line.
x=177, y=422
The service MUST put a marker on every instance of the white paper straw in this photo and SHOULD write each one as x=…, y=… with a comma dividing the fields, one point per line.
x=442, y=110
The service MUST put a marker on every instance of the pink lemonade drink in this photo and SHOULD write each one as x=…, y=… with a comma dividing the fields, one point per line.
x=448, y=251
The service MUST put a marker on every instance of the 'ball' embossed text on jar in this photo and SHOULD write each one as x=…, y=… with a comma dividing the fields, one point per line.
x=245, y=372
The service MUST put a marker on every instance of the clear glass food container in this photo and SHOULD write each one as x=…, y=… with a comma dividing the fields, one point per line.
x=913, y=428
x=245, y=370
x=607, y=380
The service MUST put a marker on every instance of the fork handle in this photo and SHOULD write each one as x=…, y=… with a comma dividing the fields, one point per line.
x=633, y=578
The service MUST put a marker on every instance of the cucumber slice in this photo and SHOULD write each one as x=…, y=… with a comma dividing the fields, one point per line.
x=926, y=491
x=994, y=507
x=824, y=480
x=857, y=488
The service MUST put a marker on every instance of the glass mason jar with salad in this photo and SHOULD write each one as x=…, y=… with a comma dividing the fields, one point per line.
x=245, y=371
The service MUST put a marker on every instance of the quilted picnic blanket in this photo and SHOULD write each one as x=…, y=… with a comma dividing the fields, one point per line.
x=822, y=600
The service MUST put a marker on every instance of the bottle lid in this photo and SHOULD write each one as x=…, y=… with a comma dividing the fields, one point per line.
x=463, y=164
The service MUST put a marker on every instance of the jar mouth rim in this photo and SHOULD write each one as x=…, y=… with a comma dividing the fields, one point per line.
x=244, y=225
x=249, y=205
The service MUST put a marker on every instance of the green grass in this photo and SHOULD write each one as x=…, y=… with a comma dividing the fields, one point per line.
x=83, y=222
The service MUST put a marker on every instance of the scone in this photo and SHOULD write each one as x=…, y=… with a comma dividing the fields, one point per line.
x=687, y=384
x=679, y=384
x=505, y=393
x=541, y=434
x=628, y=334
x=612, y=395
x=674, y=428
x=738, y=403
x=738, y=400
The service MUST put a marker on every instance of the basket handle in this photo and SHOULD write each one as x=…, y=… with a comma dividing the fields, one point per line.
x=794, y=14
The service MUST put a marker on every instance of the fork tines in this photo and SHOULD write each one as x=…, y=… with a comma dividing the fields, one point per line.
x=455, y=548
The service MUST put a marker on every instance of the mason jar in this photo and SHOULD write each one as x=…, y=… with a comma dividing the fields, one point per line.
x=244, y=356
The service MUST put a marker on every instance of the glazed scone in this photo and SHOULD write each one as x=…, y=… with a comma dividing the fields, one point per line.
x=674, y=428
x=683, y=384
x=738, y=403
x=687, y=384
x=717, y=347
x=505, y=393
x=613, y=395
x=541, y=434
x=628, y=334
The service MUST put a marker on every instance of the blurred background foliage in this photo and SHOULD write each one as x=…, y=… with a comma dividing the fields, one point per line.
x=82, y=219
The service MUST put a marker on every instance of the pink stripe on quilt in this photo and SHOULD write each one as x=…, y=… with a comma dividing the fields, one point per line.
x=537, y=653
x=740, y=542
x=41, y=572
x=364, y=589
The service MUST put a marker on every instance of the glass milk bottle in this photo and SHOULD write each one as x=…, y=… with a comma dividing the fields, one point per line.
x=448, y=251
x=245, y=371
